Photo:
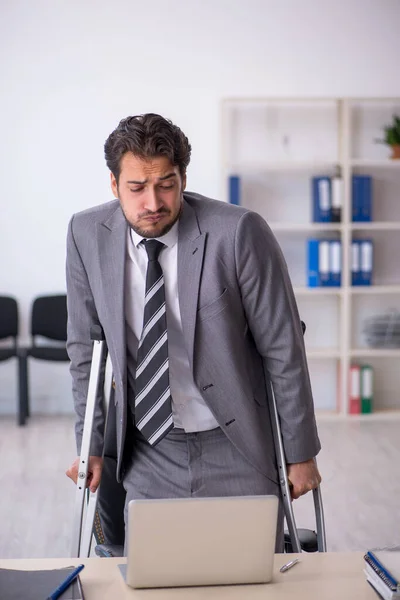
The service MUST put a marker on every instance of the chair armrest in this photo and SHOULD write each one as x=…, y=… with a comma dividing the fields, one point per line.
x=109, y=550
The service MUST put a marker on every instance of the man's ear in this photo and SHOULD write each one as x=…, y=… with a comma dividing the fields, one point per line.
x=114, y=185
x=184, y=179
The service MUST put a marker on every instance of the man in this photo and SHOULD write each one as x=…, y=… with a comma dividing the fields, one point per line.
x=198, y=314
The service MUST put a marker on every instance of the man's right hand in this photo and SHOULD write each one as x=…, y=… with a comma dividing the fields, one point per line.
x=94, y=471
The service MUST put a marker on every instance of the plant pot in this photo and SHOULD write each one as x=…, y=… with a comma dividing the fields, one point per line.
x=395, y=151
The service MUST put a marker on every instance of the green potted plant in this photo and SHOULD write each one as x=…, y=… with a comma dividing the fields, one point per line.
x=392, y=136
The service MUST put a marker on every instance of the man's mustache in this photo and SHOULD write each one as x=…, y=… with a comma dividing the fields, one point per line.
x=160, y=211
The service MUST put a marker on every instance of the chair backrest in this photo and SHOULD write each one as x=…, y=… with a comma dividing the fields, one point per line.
x=8, y=317
x=49, y=317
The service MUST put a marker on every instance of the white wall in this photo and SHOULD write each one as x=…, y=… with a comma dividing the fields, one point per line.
x=71, y=69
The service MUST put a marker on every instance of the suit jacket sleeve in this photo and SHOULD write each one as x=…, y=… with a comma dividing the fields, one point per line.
x=81, y=315
x=273, y=318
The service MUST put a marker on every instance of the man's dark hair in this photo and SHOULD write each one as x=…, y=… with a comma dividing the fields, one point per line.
x=147, y=136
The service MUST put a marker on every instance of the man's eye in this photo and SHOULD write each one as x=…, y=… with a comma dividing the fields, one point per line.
x=167, y=187
x=135, y=191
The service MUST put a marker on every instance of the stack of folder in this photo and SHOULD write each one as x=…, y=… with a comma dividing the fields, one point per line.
x=361, y=389
x=382, y=568
x=362, y=252
x=324, y=263
x=327, y=199
x=361, y=198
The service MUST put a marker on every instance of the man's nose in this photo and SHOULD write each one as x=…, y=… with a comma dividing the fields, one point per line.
x=152, y=202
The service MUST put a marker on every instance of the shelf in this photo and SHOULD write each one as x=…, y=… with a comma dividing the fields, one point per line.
x=376, y=415
x=375, y=289
x=273, y=100
x=284, y=166
x=387, y=163
x=386, y=412
x=376, y=226
x=375, y=353
x=282, y=226
x=353, y=290
x=305, y=227
x=317, y=291
x=381, y=413
x=323, y=353
x=275, y=145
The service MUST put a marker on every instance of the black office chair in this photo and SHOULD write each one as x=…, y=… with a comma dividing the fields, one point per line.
x=109, y=525
x=9, y=329
x=48, y=320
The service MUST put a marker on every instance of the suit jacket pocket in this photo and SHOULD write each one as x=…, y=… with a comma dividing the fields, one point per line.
x=213, y=308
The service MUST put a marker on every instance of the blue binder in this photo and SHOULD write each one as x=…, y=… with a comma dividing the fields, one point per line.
x=322, y=199
x=324, y=269
x=335, y=263
x=366, y=261
x=362, y=198
x=234, y=190
x=355, y=263
x=313, y=263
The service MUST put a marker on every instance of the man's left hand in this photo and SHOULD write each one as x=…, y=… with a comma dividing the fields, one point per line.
x=303, y=477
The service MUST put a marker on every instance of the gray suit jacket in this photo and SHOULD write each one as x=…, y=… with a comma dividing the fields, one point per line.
x=239, y=317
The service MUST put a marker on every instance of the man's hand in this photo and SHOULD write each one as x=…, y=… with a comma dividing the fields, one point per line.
x=303, y=477
x=94, y=471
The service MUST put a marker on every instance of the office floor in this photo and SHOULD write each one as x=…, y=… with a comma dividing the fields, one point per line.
x=359, y=464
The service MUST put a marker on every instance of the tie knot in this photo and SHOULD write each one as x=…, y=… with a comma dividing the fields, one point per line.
x=153, y=248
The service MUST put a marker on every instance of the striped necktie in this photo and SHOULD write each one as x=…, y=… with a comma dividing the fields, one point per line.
x=153, y=412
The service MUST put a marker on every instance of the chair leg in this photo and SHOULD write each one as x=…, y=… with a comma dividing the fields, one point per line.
x=23, y=411
x=27, y=397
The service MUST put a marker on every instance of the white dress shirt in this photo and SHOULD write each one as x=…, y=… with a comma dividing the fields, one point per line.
x=188, y=407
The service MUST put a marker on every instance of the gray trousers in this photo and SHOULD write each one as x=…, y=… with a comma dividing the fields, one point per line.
x=194, y=465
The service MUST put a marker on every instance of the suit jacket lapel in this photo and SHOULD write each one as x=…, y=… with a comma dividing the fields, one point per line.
x=191, y=245
x=111, y=251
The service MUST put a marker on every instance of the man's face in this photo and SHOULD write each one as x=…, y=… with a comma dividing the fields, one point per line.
x=150, y=193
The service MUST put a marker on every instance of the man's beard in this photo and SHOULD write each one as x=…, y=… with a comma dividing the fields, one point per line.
x=145, y=233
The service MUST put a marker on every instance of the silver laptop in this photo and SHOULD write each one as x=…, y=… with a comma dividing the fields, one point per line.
x=200, y=541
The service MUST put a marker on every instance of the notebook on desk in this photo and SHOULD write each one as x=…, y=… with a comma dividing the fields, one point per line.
x=200, y=541
x=383, y=571
x=37, y=585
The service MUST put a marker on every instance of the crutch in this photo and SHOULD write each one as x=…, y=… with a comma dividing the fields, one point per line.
x=284, y=485
x=82, y=533
x=81, y=542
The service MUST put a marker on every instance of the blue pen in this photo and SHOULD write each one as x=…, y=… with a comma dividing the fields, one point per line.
x=66, y=583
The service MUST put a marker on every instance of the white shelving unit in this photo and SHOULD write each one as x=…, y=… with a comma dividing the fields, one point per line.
x=276, y=145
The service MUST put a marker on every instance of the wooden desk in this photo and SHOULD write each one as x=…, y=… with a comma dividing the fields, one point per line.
x=330, y=576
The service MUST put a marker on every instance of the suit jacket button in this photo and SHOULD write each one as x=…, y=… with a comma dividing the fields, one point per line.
x=113, y=384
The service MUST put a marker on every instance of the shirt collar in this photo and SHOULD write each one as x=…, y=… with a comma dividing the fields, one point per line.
x=169, y=239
